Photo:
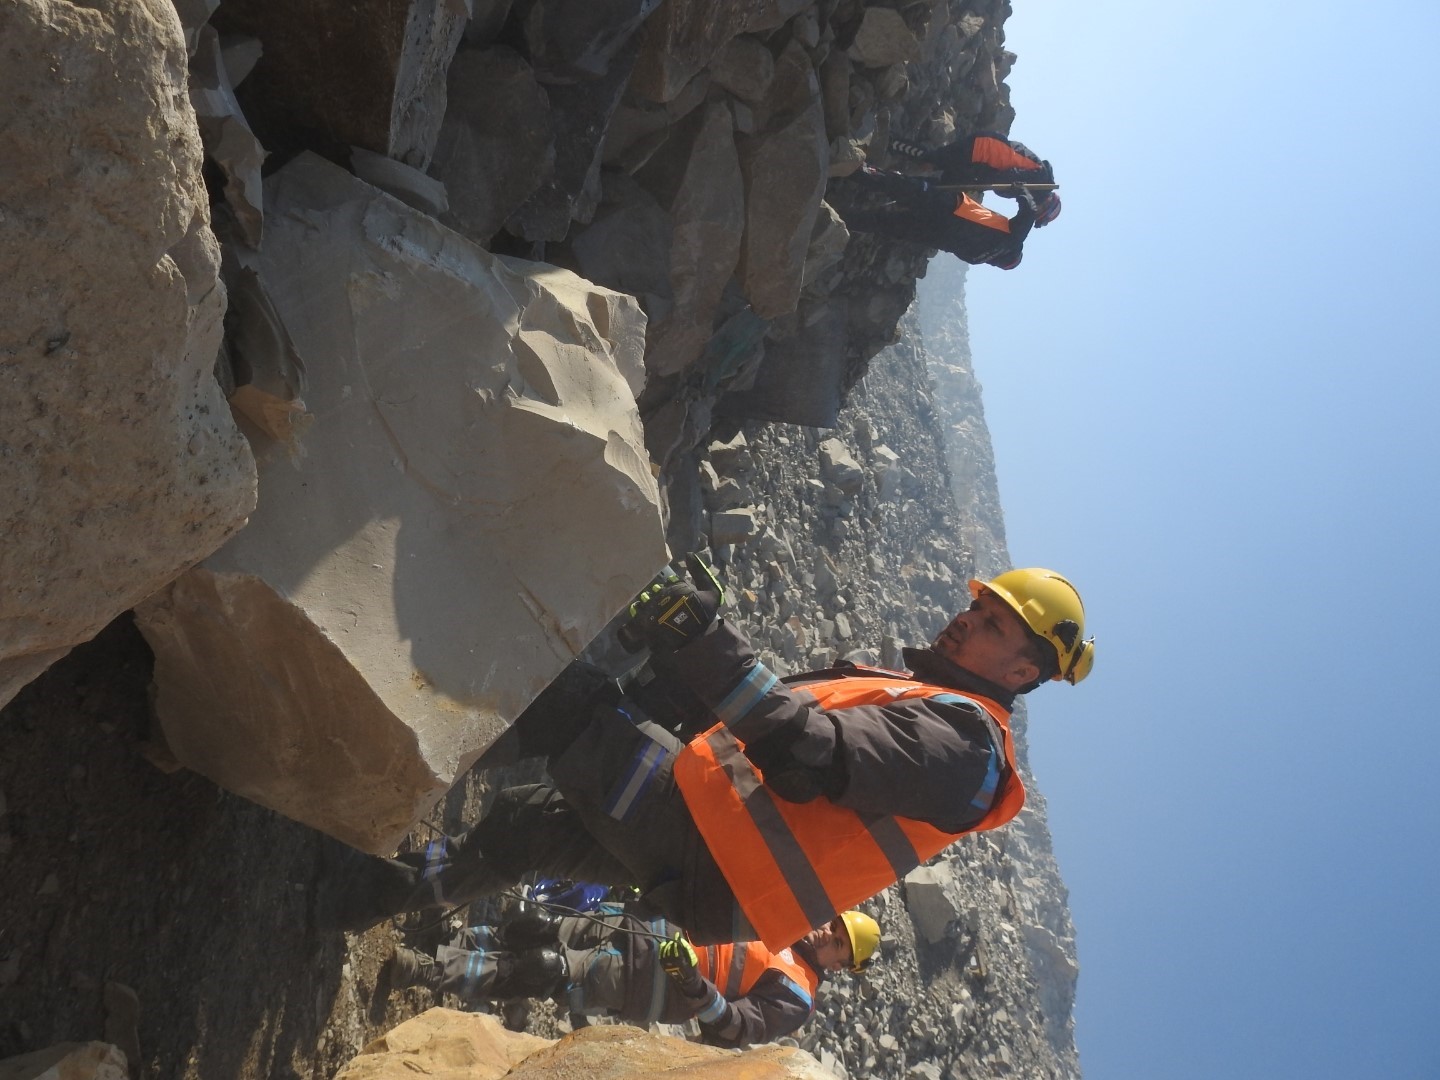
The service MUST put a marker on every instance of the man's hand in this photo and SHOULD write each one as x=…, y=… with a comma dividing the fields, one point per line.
x=788, y=774
x=672, y=612
x=679, y=961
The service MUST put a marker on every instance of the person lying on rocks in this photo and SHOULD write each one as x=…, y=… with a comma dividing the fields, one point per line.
x=759, y=808
x=953, y=221
x=621, y=963
x=986, y=159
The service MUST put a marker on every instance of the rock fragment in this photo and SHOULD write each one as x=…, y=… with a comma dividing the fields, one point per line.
x=406, y=183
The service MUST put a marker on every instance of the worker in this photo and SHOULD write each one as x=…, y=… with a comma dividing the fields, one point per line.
x=620, y=963
x=954, y=221
x=782, y=802
x=986, y=159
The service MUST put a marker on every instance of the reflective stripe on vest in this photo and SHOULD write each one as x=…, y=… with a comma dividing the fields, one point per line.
x=970, y=210
x=736, y=968
x=795, y=866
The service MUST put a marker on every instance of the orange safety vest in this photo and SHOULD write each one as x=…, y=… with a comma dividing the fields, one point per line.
x=970, y=210
x=795, y=866
x=737, y=967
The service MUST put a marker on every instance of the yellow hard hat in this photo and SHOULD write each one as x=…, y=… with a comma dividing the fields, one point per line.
x=1051, y=607
x=864, y=938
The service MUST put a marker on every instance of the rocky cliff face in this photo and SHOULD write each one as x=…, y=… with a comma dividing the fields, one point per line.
x=481, y=281
x=423, y=393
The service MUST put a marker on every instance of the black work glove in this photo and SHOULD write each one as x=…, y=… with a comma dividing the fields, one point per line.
x=679, y=962
x=673, y=612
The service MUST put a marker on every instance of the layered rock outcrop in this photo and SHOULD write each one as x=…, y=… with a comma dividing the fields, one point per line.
x=119, y=461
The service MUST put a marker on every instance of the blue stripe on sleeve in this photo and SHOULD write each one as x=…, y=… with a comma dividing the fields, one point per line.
x=798, y=990
x=475, y=966
x=637, y=778
x=749, y=693
x=714, y=1008
x=986, y=795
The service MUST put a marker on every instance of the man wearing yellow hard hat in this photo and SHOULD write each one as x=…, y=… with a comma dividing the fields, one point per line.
x=783, y=802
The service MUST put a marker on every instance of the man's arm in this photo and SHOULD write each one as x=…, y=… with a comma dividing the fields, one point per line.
x=721, y=668
x=775, y=1006
x=930, y=759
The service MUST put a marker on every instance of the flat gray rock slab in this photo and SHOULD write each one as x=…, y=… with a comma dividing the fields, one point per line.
x=471, y=505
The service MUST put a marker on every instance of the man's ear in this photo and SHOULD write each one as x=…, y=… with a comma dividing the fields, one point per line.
x=1022, y=673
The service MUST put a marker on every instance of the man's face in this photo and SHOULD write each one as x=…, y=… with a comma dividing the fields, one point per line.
x=832, y=946
x=989, y=640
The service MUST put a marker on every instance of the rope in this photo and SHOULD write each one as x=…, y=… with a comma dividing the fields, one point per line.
x=554, y=909
x=599, y=920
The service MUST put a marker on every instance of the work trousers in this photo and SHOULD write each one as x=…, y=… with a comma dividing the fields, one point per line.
x=613, y=815
x=475, y=963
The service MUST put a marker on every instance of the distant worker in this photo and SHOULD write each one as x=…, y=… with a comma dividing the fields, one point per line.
x=986, y=159
x=796, y=800
x=615, y=962
x=951, y=221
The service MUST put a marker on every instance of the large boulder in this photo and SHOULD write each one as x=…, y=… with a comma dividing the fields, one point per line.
x=367, y=73
x=472, y=505
x=119, y=460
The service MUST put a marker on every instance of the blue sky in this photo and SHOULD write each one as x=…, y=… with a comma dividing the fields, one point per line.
x=1213, y=392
